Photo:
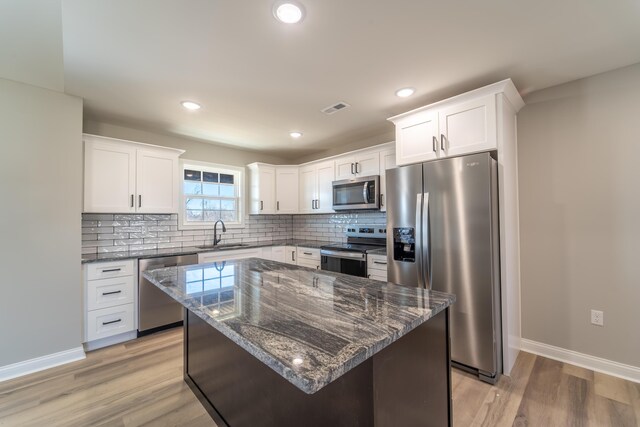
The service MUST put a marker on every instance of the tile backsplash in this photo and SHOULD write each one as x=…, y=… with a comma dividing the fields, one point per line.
x=102, y=233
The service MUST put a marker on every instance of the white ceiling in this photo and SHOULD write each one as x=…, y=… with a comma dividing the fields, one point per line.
x=257, y=79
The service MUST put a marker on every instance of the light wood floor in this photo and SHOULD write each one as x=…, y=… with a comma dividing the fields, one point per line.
x=140, y=384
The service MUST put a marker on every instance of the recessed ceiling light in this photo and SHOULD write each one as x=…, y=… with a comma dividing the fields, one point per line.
x=405, y=91
x=295, y=134
x=289, y=12
x=190, y=105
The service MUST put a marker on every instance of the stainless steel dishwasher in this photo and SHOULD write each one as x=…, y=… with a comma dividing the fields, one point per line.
x=157, y=310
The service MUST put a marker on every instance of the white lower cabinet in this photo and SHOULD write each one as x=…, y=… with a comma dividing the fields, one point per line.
x=107, y=322
x=308, y=257
x=274, y=253
x=377, y=267
x=109, y=303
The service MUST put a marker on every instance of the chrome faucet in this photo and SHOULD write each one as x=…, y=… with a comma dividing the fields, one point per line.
x=217, y=239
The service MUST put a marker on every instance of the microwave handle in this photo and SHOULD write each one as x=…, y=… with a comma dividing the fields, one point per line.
x=365, y=192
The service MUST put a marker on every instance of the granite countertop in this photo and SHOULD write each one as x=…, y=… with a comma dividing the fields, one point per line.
x=309, y=326
x=381, y=251
x=154, y=253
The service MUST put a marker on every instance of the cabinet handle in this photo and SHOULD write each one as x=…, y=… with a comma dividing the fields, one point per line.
x=132, y=201
x=379, y=263
x=277, y=206
x=317, y=204
x=307, y=253
x=139, y=200
x=293, y=256
x=111, y=270
x=352, y=173
x=261, y=205
x=357, y=164
x=435, y=144
x=381, y=200
x=111, y=293
x=368, y=276
x=113, y=321
x=442, y=137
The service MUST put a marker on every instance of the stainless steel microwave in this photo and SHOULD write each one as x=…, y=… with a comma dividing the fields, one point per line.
x=357, y=193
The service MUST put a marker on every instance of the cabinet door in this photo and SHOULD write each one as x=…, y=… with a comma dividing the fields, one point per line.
x=345, y=167
x=326, y=176
x=468, y=127
x=157, y=182
x=287, y=190
x=308, y=189
x=367, y=164
x=417, y=138
x=387, y=161
x=278, y=253
x=267, y=190
x=109, y=177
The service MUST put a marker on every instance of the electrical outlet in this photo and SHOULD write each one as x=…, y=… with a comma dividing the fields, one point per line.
x=597, y=317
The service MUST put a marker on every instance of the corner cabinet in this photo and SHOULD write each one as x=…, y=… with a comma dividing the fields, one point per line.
x=365, y=163
x=127, y=177
x=273, y=189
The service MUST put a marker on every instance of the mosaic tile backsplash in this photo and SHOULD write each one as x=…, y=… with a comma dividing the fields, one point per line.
x=103, y=233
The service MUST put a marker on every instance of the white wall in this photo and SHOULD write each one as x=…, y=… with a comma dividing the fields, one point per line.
x=40, y=189
x=578, y=153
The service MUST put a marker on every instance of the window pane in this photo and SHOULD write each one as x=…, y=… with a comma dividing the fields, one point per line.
x=228, y=205
x=193, y=275
x=210, y=177
x=194, y=203
x=227, y=281
x=229, y=216
x=227, y=191
x=210, y=189
x=226, y=179
x=211, y=216
x=212, y=205
x=194, y=215
x=191, y=175
x=191, y=187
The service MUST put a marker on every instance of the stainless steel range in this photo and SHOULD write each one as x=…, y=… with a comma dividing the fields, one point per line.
x=351, y=257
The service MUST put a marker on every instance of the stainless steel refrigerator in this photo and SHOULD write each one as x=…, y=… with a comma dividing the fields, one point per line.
x=442, y=228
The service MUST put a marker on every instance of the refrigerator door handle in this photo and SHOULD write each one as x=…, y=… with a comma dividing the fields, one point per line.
x=426, y=241
x=418, y=239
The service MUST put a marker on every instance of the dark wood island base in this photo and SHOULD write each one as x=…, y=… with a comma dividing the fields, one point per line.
x=406, y=384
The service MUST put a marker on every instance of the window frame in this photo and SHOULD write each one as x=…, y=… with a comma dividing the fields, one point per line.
x=238, y=173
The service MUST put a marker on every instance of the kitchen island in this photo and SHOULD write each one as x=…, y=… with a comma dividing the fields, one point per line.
x=272, y=344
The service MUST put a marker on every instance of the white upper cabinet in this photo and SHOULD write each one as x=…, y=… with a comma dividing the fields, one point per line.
x=287, y=190
x=417, y=138
x=387, y=161
x=124, y=177
x=157, y=182
x=460, y=125
x=274, y=189
x=364, y=163
x=316, y=187
x=468, y=127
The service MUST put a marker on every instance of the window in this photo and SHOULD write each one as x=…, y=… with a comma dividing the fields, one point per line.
x=211, y=192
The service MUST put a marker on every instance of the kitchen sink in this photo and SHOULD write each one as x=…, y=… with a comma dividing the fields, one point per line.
x=225, y=246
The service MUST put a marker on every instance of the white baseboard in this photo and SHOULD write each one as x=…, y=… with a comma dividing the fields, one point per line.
x=105, y=342
x=598, y=364
x=30, y=366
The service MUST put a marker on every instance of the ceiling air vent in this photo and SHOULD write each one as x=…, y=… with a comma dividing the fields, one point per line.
x=335, y=107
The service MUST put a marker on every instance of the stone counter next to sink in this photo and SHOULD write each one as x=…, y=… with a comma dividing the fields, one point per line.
x=309, y=326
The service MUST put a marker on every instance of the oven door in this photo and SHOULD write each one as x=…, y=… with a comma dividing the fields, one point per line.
x=353, y=263
x=356, y=193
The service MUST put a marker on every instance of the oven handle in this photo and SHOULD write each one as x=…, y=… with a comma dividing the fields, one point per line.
x=344, y=255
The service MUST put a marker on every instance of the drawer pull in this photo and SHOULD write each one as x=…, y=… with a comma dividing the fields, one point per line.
x=111, y=270
x=111, y=293
x=307, y=253
x=111, y=322
x=380, y=263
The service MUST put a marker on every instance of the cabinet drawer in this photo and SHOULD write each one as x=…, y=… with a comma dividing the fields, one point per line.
x=109, y=292
x=377, y=275
x=309, y=254
x=109, y=321
x=377, y=262
x=308, y=263
x=106, y=270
